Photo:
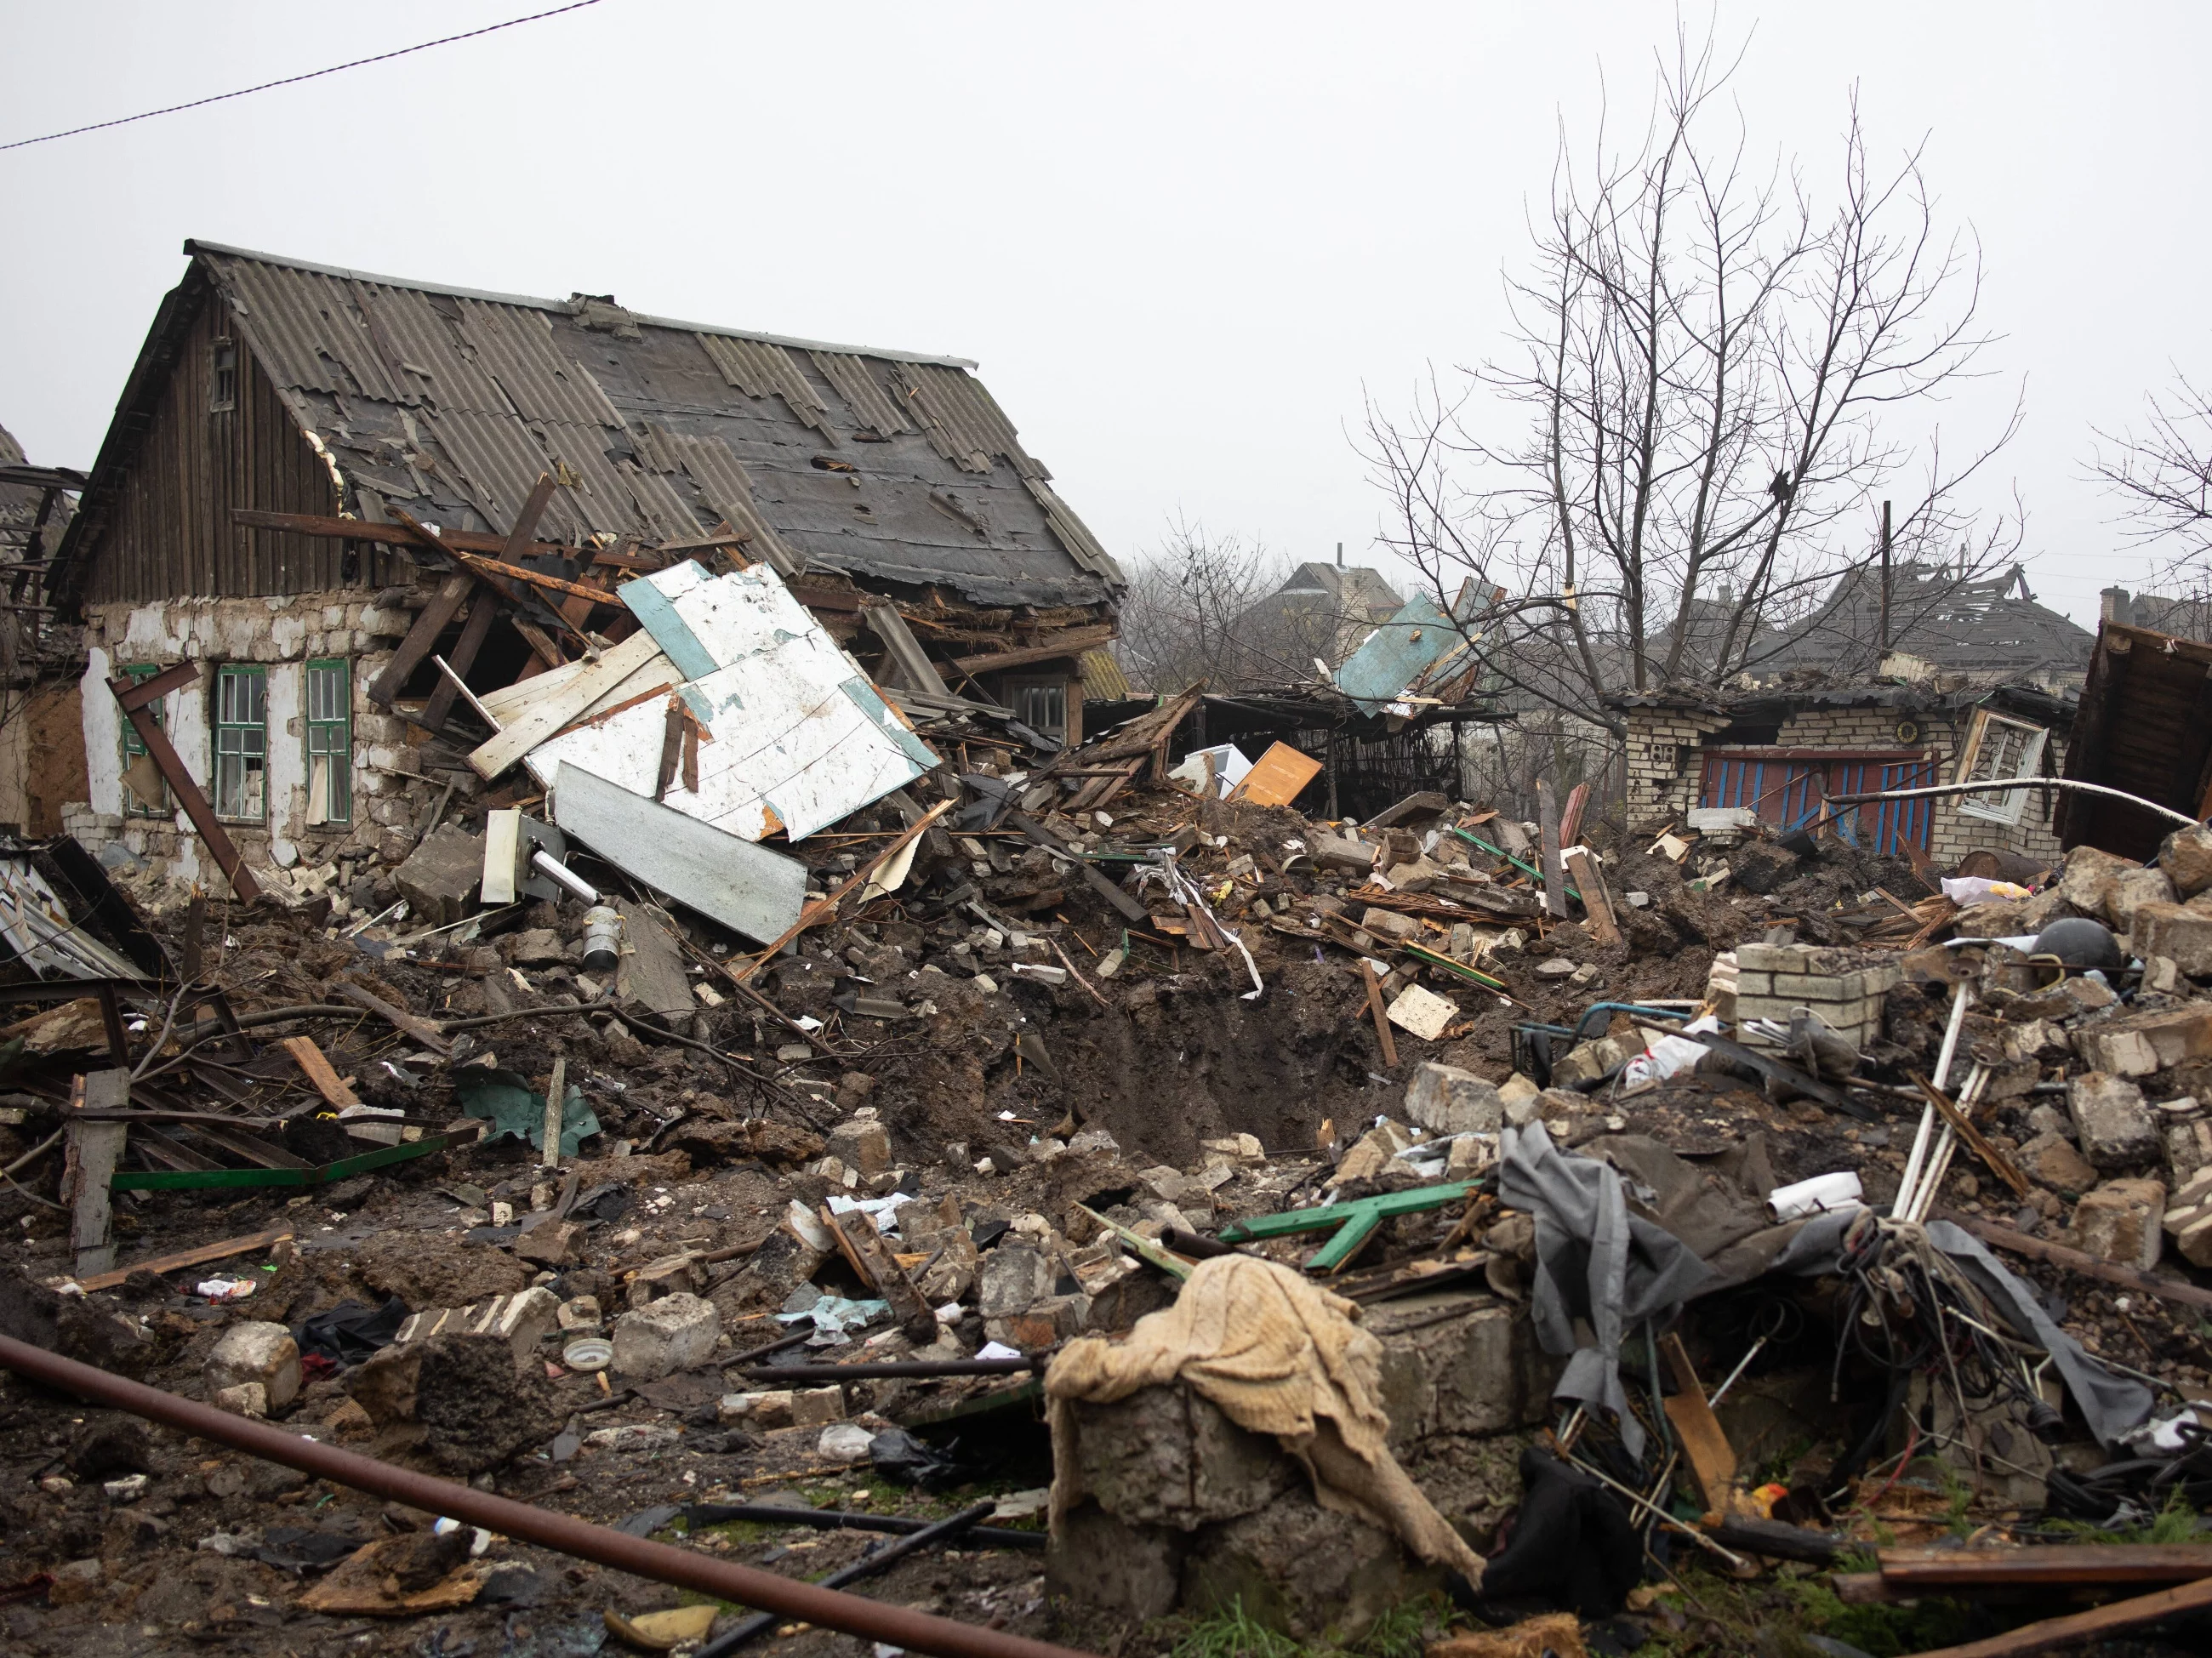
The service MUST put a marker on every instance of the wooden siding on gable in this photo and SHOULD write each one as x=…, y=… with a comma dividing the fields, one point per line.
x=170, y=532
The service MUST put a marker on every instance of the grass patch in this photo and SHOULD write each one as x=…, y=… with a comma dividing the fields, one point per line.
x=2177, y=1522
x=1232, y=1632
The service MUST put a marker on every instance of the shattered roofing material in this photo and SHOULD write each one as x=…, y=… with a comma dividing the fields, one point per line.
x=449, y=402
x=794, y=735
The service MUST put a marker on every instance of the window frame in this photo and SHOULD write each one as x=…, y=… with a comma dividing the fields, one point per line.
x=138, y=673
x=1013, y=687
x=2009, y=806
x=227, y=674
x=340, y=752
x=223, y=378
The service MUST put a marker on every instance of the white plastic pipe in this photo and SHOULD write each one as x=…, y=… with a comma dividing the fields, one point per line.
x=547, y=863
x=1815, y=1196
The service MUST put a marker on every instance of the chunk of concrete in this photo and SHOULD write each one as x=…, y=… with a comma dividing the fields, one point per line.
x=1342, y=852
x=1012, y=1278
x=439, y=877
x=2189, y=1219
x=861, y=1143
x=2122, y=1222
x=2180, y=932
x=2186, y=859
x=260, y=1353
x=538, y=947
x=1389, y=924
x=810, y=1407
x=1584, y=1063
x=767, y=1408
x=2139, y=1044
x=1446, y=1100
x=1168, y=1456
x=670, y=1334
x=2052, y=1160
x=520, y=1320
x=2114, y=1125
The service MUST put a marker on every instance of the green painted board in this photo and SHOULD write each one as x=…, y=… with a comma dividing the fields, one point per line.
x=202, y=1180
x=1352, y=1223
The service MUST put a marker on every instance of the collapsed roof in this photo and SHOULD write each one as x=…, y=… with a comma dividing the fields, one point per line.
x=890, y=466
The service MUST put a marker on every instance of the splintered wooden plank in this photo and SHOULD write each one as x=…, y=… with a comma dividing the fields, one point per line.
x=547, y=715
x=1712, y=1459
x=399, y=1018
x=91, y=1151
x=1581, y=865
x=1555, y=880
x=429, y=621
x=318, y=1071
x=649, y=974
x=252, y=1244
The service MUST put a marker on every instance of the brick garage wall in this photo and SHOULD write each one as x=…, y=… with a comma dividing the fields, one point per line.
x=1662, y=764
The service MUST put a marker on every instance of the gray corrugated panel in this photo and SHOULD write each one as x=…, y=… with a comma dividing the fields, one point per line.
x=653, y=450
x=721, y=478
x=1075, y=535
x=758, y=370
x=562, y=307
x=959, y=403
x=515, y=346
x=426, y=345
x=498, y=462
x=668, y=516
x=305, y=327
x=941, y=423
x=603, y=498
x=857, y=384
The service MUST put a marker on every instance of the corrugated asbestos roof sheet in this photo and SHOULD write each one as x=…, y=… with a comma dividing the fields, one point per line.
x=450, y=402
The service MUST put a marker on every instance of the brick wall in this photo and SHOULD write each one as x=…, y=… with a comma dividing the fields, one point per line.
x=1664, y=765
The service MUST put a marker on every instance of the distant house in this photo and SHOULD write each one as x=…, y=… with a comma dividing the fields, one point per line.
x=41, y=749
x=1321, y=611
x=2184, y=618
x=1990, y=631
x=280, y=413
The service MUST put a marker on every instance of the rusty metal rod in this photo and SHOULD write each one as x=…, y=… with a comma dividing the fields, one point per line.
x=771, y=1514
x=890, y=1368
x=875, y=1561
x=725, y=1580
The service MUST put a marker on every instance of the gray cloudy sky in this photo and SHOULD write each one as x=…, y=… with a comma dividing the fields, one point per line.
x=1183, y=241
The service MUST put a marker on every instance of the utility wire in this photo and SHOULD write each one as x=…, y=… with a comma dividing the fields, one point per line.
x=294, y=80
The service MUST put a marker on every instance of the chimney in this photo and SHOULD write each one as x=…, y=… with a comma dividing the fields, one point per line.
x=1340, y=555
x=2118, y=606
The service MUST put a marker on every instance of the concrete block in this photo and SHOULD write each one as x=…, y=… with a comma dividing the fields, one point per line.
x=1012, y=1278
x=520, y=1320
x=439, y=877
x=2139, y=1044
x=2112, y=1121
x=811, y=1407
x=2189, y=1219
x=1446, y=1100
x=1167, y=1456
x=674, y=1333
x=768, y=1408
x=1126, y=1570
x=2122, y=1222
x=259, y=1353
x=2186, y=860
x=2052, y=1160
x=2181, y=932
x=1389, y=924
x=862, y=1142
x=1343, y=853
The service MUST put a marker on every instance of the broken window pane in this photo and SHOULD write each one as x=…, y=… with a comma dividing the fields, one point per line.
x=144, y=793
x=1998, y=750
x=330, y=742
x=242, y=742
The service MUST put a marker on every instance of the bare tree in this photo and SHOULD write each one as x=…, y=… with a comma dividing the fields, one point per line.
x=1714, y=375
x=1219, y=609
x=2163, y=477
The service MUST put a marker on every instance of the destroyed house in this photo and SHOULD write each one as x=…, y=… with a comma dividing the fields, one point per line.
x=1784, y=754
x=298, y=447
x=40, y=656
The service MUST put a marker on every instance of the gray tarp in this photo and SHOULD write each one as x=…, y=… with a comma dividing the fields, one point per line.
x=1598, y=1262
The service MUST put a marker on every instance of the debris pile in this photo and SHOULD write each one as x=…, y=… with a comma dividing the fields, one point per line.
x=1439, y=1203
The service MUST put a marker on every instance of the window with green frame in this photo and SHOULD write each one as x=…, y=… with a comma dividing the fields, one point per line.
x=144, y=793
x=330, y=741
x=242, y=742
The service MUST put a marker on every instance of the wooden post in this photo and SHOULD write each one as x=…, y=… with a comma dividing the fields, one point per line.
x=556, y=1091
x=1381, y=1018
x=1581, y=865
x=90, y=1154
x=1547, y=824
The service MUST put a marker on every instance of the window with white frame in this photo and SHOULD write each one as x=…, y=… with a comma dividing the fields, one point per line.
x=1040, y=704
x=242, y=742
x=330, y=741
x=1996, y=751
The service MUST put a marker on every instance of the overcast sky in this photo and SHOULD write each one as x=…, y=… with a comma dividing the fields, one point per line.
x=1183, y=242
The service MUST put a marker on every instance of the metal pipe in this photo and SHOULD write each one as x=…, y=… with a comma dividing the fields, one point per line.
x=2007, y=787
x=870, y=1564
x=770, y=1514
x=888, y=1369
x=725, y=1580
x=546, y=864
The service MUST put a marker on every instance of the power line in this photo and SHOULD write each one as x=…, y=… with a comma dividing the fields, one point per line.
x=294, y=80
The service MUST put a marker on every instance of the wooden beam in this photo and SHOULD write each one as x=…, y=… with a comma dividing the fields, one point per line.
x=2057, y=1563
x=1581, y=865
x=398, y=1018
x=1380, y=1017
x=2084, y=1625
x=200, y=1257
x=1547, y=827
x=494, y=569
x=396, y=535
x=2057, y=1254
x=423, y=638
x=1712, y=1459
x=320, y=1071
x=153, y=690
x=155, y=742
x=1073, y=642
x=90, y=1153
x=482, y=613
x=546, y=716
